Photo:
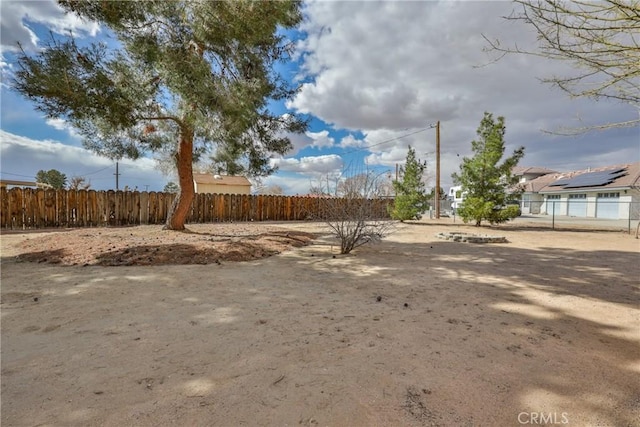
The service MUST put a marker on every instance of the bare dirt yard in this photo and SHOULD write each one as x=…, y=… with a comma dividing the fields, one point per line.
x=143, y=327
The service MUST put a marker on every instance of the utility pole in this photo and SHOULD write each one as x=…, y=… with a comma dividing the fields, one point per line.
x=437, y=189
x=117, y=176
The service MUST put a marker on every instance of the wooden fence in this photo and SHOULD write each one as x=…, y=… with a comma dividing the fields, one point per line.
x=23, y=208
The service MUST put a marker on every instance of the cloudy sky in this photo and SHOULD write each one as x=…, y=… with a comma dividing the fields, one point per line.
x=375, y=78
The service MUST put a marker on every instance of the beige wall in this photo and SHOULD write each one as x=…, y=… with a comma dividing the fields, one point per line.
x=223, y=189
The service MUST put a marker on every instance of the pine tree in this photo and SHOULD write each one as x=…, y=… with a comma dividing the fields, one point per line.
x=53, y=178
x=186, y=77
x=484, y=179
x=410, y=200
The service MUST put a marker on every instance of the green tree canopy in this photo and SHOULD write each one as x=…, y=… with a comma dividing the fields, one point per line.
x=54, y=178
x=185, y=76
x=411, y=198
x=171, y=187
x=486, y=179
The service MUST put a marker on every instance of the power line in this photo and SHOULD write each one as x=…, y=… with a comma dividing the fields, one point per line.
x=99, y=170
x=389, y=140
x=17, y=174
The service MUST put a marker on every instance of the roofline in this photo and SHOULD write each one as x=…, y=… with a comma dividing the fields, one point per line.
x=583, y=189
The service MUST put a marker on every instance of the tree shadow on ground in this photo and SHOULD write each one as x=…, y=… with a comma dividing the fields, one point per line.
x=556, y=321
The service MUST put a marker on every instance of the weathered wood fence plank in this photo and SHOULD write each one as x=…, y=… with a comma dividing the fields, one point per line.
x=23, y=208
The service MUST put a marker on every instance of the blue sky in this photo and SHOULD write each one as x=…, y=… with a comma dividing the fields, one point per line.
x=375, y=76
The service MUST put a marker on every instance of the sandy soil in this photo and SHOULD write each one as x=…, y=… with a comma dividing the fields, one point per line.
x=414, y=331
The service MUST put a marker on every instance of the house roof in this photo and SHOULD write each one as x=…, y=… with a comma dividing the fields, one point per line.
x=6, y=182
x=531, y=170
x=628, y=178
x=205, y=178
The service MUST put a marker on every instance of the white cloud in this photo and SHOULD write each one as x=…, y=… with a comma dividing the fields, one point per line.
x=291, y=185
x=61, y=124
x=18, y=15
x=351, y=141
x=23, y=157
x=321, y=139
x=387, y=68
x=312, y=165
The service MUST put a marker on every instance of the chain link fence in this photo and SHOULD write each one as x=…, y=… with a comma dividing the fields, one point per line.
x=573, y=214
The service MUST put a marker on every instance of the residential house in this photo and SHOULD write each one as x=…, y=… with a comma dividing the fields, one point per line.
x=221, y=184
x=9, y=183
x=456, y=196
x=529, y=180
x=611, y=192
x=525, y=176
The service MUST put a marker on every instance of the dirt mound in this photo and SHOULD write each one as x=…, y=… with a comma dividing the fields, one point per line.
x=150, y=245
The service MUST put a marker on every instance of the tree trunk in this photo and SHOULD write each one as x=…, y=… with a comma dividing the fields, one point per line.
x=184, y=163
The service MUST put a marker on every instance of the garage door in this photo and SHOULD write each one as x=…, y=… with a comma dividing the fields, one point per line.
x=608, y=205
x=553, y=204
x=578, y=205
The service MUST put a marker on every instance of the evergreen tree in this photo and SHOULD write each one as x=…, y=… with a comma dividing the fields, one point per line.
x=484, y=178
x=54, y=178
x=186, y=76
x=171, y=187
x=410, y=200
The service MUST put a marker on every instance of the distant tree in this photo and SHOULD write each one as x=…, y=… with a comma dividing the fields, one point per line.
x=185, y=76
x=79, y=183
x=171, y=187
x=370, y=184
x=326, y=185
x=411, y=198
x=443, y=195
x=274, y=190
x=484, y=179
x=54, y=178
x=599, y=38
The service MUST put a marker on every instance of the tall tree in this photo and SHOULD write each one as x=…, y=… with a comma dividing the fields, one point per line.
x=599, y=38
x=484, y=178
x=187, y=75
x=411, y=198
x=53, y=178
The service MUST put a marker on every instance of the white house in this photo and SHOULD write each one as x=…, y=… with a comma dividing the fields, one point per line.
x=529, y=180
x=611, y=192
x=456, y=195
x=524, y=174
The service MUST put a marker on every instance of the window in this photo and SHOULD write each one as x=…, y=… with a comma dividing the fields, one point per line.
x=608, y=195
x=577, y=196
x=553, y=197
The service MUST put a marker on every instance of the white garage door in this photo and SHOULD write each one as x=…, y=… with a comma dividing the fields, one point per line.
x=578, y=205
x=608, y=205
x=553, y=204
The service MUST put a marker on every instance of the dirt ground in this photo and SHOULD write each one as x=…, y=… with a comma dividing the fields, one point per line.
x=140, y=327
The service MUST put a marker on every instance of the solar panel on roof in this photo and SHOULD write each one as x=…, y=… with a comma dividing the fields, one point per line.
x=559, y=183
x=595, y=179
